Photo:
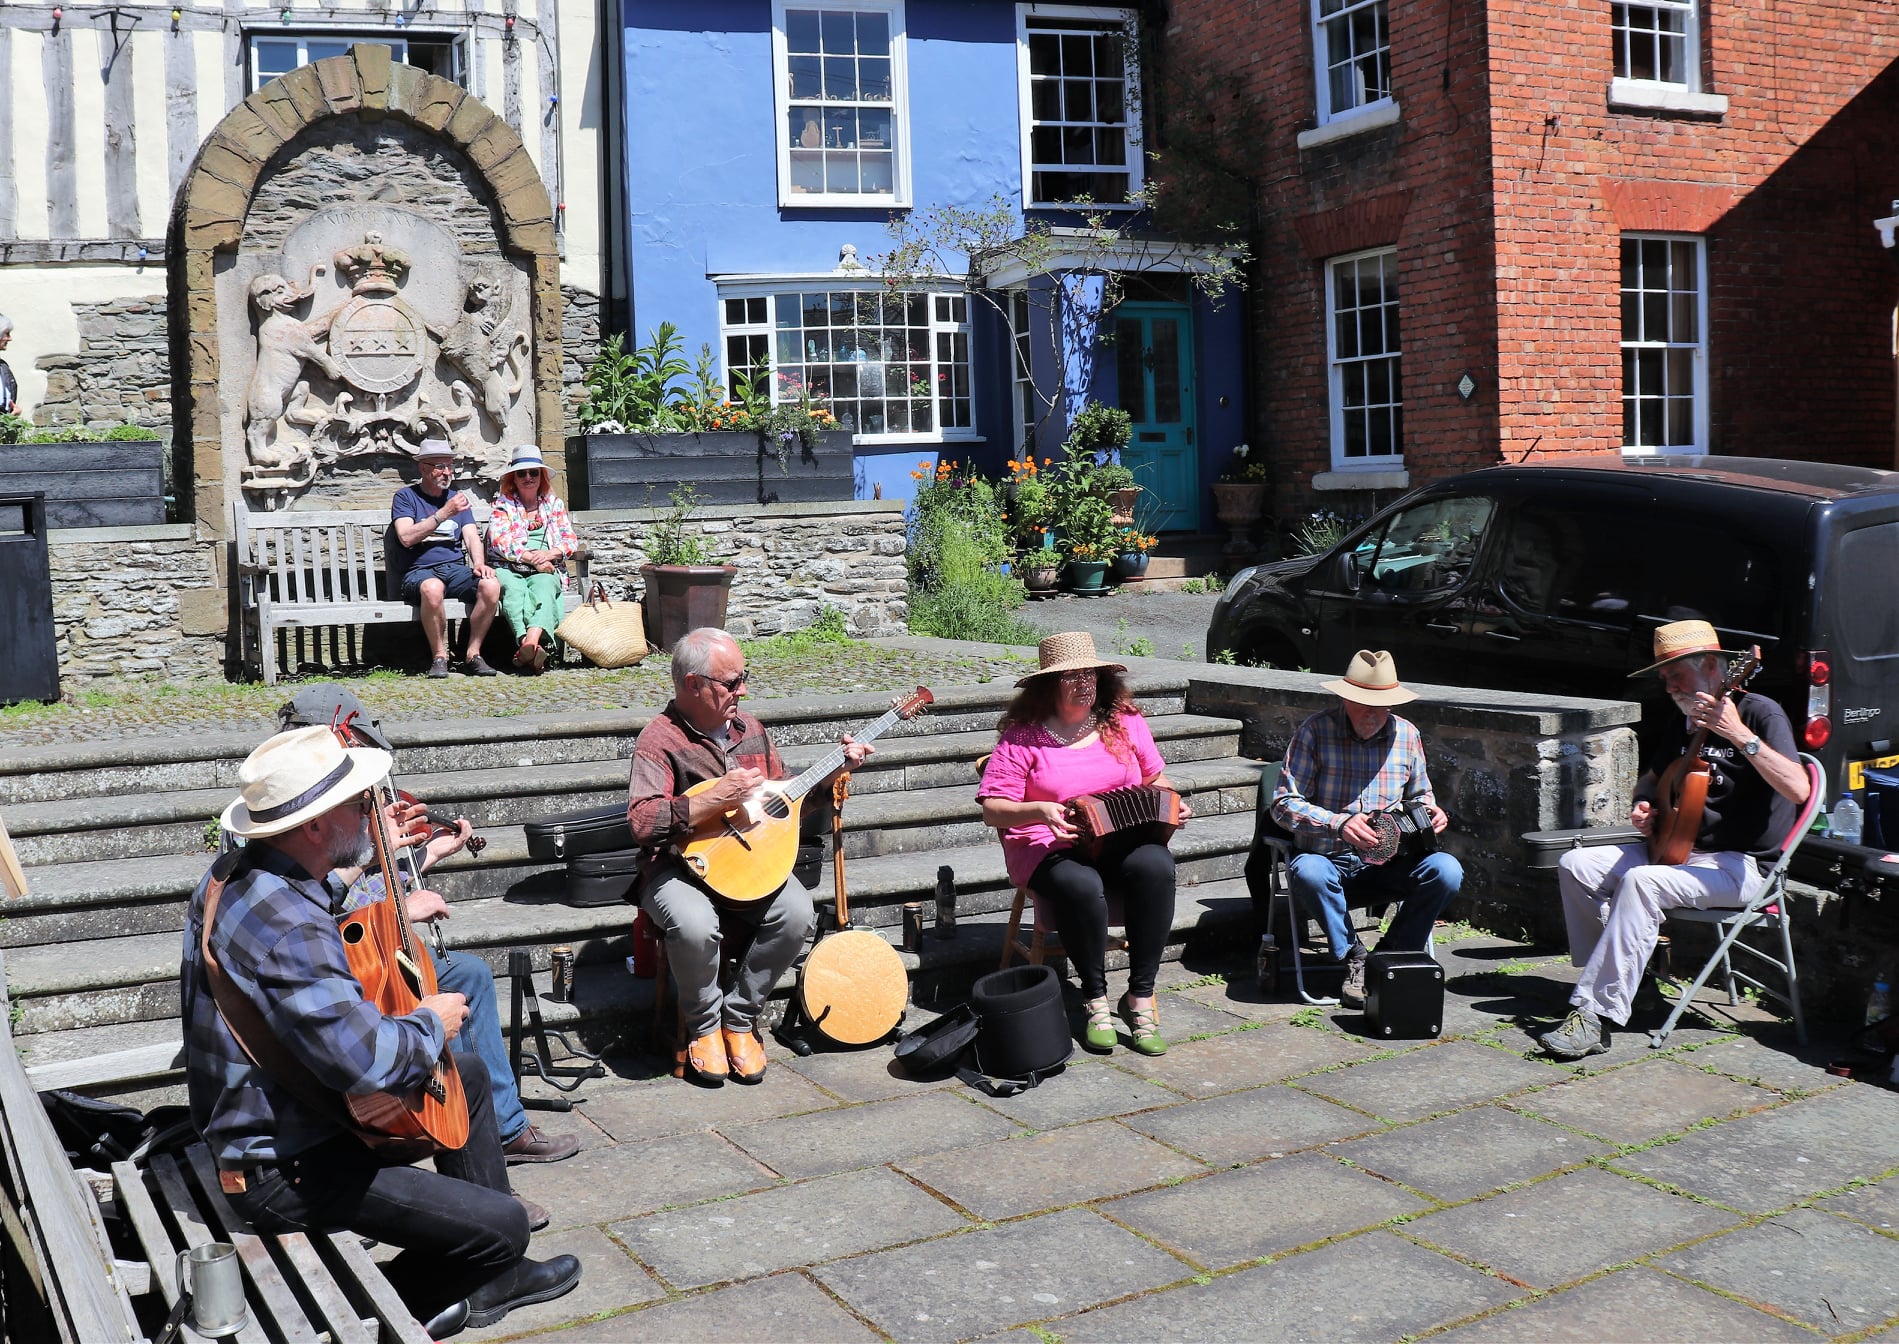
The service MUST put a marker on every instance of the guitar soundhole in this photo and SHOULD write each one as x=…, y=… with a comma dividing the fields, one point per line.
x=777, y=808
x=353, y=934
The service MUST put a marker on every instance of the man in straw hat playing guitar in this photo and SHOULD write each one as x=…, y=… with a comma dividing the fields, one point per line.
x=286, y=1157
x=1614, y=897
x=1344, y=766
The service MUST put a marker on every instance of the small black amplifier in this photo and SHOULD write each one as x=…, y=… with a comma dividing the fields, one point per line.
x=1404, y=995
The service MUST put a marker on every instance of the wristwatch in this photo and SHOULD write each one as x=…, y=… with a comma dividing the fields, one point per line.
x=1752, y=748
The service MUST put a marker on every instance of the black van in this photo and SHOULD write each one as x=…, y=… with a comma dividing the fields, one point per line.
x=1553, y=578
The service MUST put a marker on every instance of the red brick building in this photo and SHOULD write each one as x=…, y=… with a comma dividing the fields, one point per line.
x=1632, y=226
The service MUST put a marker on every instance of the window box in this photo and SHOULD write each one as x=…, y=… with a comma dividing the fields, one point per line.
x=630, y=471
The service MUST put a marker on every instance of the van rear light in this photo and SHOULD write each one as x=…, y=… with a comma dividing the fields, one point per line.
x=1819, y=668
x=1819, y=697
x=1819, y=729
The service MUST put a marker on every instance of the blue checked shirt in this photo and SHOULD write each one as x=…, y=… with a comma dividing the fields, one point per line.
x=277, y=939
x=1330, y=775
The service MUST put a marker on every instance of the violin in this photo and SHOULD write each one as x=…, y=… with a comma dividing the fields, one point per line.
x=1681, y=794
x=435, y=821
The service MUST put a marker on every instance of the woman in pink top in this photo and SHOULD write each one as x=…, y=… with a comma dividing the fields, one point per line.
x=1074, y=729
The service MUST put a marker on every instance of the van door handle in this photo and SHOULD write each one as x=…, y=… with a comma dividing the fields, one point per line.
x=1447, y=629
x=1508, y=639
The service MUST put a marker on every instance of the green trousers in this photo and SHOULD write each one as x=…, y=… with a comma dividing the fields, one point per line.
x=529, y=601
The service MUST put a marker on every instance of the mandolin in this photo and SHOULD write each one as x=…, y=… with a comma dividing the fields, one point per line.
x=747, y=854
x=1682, y=792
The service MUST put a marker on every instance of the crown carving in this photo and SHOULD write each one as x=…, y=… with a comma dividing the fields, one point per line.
x=372, y=266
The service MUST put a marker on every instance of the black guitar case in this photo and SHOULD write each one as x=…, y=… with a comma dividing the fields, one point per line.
x=571, y=834
x=603, y=879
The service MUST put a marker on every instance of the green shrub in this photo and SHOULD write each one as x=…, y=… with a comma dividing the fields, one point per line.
x=963, y=595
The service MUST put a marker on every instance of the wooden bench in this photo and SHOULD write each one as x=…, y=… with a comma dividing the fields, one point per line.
x=302, y=570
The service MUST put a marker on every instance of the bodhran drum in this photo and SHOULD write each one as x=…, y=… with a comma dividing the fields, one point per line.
x=853, y=987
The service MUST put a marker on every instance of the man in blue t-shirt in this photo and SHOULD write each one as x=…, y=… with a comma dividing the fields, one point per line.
x=441, y=555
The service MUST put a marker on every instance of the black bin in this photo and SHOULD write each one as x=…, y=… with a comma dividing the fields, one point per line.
x=29, y=655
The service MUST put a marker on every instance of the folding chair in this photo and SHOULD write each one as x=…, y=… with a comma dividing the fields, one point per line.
x=1767, y=912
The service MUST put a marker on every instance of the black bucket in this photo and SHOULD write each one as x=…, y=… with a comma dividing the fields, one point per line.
x=1023, y=1029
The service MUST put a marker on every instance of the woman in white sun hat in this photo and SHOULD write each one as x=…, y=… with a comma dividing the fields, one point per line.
x=530, y=539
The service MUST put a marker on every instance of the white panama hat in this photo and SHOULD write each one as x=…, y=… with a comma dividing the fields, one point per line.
x=296, y=776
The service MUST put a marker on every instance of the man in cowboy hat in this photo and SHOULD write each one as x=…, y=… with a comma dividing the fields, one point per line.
x=1343, y=767
x=440, y=555
x=285, y=1152
x=702, y=734
x=1614, y=899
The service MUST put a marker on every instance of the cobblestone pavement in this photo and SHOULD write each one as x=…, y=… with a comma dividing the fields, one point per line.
x=1274, y=1176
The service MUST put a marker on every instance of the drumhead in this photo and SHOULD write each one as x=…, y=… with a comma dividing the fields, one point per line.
x=853, y=987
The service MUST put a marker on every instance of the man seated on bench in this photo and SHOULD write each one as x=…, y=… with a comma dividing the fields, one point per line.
x=264, y=961
x=441, y=555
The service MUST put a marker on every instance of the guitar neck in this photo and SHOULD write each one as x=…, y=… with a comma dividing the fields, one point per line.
x=832, y=759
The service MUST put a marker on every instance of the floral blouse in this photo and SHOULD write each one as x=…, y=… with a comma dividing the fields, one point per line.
x=508, y=528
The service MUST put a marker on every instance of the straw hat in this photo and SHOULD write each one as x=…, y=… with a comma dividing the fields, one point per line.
x=1372, y=679
x=1681, y=639
x=526, y=458
x=296, y=776
x=1069, y=652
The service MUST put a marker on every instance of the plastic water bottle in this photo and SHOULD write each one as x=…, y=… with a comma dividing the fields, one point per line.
x=1879, y=1001
x=1845, y=822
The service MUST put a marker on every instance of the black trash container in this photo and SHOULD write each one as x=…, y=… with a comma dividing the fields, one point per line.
x=29, y=651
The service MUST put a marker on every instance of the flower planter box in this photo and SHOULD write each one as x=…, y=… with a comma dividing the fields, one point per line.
x=118, y=484
x=615, y=471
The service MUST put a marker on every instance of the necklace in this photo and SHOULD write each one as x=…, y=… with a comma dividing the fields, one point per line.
x=1069, y=736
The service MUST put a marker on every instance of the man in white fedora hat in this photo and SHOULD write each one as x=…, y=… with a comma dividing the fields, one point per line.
x=1614, y=899
x=287, y=1155
x=440, y=555
x=1344, y=766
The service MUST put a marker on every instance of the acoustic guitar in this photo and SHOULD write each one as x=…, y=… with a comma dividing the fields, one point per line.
x=1681, y=794
x=746, y=854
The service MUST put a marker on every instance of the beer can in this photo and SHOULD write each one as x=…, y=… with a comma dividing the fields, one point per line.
x=561, y=987
x=913, y=927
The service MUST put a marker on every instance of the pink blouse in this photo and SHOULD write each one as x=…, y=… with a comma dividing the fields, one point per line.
x=1030, y=766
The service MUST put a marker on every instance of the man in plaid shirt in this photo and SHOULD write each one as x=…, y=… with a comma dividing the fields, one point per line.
x=1343, y=766
x=286, y=1153
x=703, y=734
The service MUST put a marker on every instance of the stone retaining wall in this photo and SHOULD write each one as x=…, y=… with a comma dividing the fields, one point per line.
x=793, y=560
x=121, y=373
x=130, y=601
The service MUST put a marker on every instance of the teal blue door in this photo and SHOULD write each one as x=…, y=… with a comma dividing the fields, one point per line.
x=1153, y=354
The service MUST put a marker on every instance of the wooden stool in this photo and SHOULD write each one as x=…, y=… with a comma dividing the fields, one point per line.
x=1044, y=939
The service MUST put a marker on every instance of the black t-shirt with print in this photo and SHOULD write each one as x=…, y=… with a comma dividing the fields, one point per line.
x=1744, y=812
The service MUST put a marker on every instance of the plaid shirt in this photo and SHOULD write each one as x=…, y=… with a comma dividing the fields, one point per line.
x=670, y=757
x=508, y=528
x=1330, y=775
x=278, y=942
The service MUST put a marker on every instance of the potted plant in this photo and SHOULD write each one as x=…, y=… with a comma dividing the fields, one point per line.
x=1130, y=560
x=1029, y=501
x=1239, y=499
x=1088, y=540
x=687, y=585
x=1041, y=570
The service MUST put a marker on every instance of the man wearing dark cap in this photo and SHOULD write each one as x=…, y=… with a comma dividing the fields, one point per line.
x=1614, y=899
x=441, y=556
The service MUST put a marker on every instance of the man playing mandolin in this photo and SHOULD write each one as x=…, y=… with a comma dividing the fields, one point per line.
x=702, y=736
x=1615, y=896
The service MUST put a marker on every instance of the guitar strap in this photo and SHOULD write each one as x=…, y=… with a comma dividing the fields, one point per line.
x=254, y=1036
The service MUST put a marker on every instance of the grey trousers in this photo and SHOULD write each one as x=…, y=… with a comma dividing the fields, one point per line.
x=689, y=922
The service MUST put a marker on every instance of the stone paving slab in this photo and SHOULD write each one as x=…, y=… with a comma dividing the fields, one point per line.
x=1047, y=1171
x=1645, y=1100
x=786, y=1228
x=984, y=1281
x=636, y=1178
x=1833, y=1274
x=1768, y=1161
x=1372, y=1288
x=1087, y=1091
x=1562, y=1229
x=1424, y=1082
x=1240, y=996
x=862, y=1136
x=860, y=1075
x=1183, y=1015
x=1268, y=1209
x=1457, y=1157
x=608, y=1282
x=1636, y=1303
x=1875, y=1205
x=1246, y=1126
x=1243, y=1059
x=785, y=1309
x=1777, y=1065
x=652, y=1108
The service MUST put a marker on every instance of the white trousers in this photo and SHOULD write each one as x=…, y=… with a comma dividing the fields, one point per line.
x=1614, y=900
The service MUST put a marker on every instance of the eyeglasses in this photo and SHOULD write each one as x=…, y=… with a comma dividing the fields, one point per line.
x=732, y=685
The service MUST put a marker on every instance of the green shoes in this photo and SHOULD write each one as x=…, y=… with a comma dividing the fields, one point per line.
x=1144, y=1023
x=1099, y=1037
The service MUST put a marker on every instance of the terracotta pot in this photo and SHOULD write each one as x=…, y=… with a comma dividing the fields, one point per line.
x=684, y=597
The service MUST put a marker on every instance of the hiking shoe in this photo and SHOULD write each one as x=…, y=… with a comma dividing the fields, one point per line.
x=478, y=667
x=1582, y=1034
x=1352, y=992
x=438, y=669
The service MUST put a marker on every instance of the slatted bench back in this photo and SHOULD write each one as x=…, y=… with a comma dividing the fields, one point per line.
x=320, y=559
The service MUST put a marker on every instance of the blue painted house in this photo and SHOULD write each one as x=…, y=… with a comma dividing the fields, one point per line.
x=769, y=143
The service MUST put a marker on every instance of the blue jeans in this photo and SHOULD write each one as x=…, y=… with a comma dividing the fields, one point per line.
x=468, y=975
x=1326, y=884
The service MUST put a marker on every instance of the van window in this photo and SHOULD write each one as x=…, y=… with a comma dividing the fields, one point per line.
x=1428, y=548
x=1870, y=556
x=1607, y=566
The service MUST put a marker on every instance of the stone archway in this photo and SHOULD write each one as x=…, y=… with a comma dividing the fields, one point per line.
x=354, y=171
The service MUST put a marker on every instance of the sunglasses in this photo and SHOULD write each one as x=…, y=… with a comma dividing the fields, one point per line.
x=731, y=686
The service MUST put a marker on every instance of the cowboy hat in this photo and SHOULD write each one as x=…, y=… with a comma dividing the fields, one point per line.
x=296, y=777
x=1070, y=652
x=1678, y=640
x=526, y=458
x=1372, y=679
